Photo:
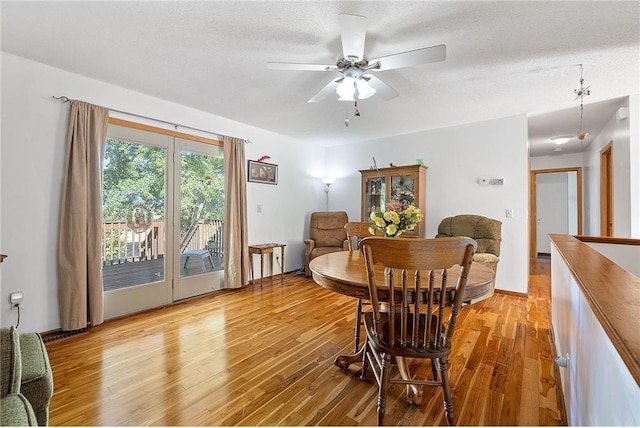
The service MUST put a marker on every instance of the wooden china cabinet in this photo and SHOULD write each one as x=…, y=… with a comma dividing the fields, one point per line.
x=406, y=184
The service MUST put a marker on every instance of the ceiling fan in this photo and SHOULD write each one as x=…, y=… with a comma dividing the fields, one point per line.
x=356, y=71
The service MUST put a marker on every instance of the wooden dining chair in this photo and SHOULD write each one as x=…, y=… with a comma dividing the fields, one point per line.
x=408, y=317
x=356, y=231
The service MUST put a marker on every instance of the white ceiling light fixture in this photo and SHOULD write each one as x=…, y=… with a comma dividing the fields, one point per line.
x=364, y=89
x=346, y=89
x=354, y=80
x=563, y=139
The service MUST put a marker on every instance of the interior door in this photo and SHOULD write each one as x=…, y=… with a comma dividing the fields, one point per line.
x=199, y=206
x=552, y=208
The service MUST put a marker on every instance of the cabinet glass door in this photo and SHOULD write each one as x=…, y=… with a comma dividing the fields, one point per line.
x=403, y=190
x=375, y=196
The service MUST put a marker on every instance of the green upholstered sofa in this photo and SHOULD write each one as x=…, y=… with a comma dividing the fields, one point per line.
x=26, y=379
x=487, y=232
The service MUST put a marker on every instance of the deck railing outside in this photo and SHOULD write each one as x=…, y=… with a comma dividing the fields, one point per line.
x=121, y=245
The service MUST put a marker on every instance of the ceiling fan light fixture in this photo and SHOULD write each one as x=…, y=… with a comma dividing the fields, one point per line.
x=561, y=139
x=365, y=90
x=346, y=89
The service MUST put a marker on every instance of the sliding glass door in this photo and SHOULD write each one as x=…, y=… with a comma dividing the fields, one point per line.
x=163, y=207
x=200, y=209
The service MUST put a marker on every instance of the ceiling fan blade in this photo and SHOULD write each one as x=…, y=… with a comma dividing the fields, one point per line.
x=353, y=29
x=327, y=90
x=383, y=90
x=408, y=59
x=303, y=67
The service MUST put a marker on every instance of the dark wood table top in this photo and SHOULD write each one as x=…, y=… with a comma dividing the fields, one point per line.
x=344, y=272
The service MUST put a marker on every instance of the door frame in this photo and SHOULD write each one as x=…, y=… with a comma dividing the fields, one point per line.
x=606, y=190
x=533, y=215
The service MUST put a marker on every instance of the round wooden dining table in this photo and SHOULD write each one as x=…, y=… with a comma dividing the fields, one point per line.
x=344, y=272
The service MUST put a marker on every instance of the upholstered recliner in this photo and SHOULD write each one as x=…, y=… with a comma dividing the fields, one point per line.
x=487, y=232
x=326, y=235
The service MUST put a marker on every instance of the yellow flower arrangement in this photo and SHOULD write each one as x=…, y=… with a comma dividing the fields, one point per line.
x=395, y=220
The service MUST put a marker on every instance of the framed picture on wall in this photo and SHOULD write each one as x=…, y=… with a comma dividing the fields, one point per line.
x=260, y=172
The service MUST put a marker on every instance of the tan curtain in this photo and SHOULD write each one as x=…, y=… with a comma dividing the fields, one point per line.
x=236, y=250
x=80, y=228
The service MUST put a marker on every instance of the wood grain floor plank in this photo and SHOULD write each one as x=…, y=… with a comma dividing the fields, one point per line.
x=264, y=357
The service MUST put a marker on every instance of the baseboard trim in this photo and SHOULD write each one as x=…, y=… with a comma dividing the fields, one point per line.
x=57, y=334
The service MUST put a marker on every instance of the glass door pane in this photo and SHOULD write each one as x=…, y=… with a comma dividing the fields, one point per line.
x=375, y=196
x=403, y=190
x=135, y=272
x=200, y=205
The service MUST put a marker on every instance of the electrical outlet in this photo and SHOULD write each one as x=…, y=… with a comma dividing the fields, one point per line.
x=16, y=298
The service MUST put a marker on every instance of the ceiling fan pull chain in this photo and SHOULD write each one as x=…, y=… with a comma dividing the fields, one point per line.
x=356, y=112
x=346, y=115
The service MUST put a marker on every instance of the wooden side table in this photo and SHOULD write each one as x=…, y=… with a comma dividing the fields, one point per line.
x=263, y=249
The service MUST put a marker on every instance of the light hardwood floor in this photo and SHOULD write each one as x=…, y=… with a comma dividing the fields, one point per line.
x=265, y=357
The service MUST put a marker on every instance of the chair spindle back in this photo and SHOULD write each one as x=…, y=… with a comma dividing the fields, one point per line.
x=415, y=271
x=357, y=230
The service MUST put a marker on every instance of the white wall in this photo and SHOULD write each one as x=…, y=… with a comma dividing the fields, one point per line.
x=634, y=160
x=32, y=149
x=456, y=157
x=626, y=186
x=572, y=160
x=625, y=256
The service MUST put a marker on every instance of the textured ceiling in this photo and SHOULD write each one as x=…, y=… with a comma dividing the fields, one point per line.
x=503, y=59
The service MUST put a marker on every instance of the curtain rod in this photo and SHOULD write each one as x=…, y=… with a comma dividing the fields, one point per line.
x=64, y=99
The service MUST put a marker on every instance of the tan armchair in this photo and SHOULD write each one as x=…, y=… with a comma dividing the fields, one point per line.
x=326, y=235
x=487, y=232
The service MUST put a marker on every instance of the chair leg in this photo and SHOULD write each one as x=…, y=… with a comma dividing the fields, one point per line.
x=434, y=369
x=356, y=326
x=382, y=390
x=446, y=391
x=365, y=360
